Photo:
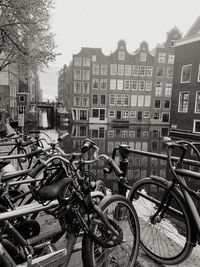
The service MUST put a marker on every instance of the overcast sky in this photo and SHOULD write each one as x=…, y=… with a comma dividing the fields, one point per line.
x=102, y=23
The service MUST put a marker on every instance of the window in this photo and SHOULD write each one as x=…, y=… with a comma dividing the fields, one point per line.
x=95, y=113
x=160, y=72
x=127, y=70
x=94, y=58
x=126, y=100
x=156, y=116
x=158, y=91
x=147, y=100
x=104, y=69
x=198, y=77
x=113, y=69
x=171, y=59
x=133, y=100
x=77, y=61
x=85, y=102
x=157, y=103
x=133, y=116
x=77, y=101
x=121, y=70
x=166, y=104
x=95, y=99
x=113, y=84
x=112, y=100
x=77, y=87
x=139, y=117
x=148, y=85
x=135, y=70
x=111, y=113
x=77, y=74
x=127, y=84
x=196, y=126
x=143, y=56
x=186, y=73
x=169, y=73
x=95, y=69
x=119, y=100
x=121, y=55
x=168, y=89
x=142, y=70
x=141, y=85
x=21, y=98
x=165, y=117
x=120, y=84
x=134, y=85
x=146, y=116
x=125, y=115
x=86, y=75
x=140, y=100
x=149, y=71
x=103, y=84
x=102, y=114
x=183, y=101
x=161, y=57
x=172, y=43
x=103, y=100
x=83, y=116
x=95, y=84
x=85, y=87
x=197, y=102
x=86, y=62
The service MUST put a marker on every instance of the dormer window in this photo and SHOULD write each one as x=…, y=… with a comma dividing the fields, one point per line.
x=172, y=43
x=121, y=55
x=143, y=56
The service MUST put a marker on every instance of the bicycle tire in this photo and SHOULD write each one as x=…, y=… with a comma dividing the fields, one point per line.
x=167, y=240
x=120, y=210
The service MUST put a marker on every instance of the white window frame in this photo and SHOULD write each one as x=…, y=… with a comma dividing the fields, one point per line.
x=77, y=61
x=171, y=58
x=127, y=84
x=127, y=70
x=182, y=73
x=126, y=100
x=143, y=56
x=93, y=81
x=148, y=85
x=198, y=76
x=197, y=102
x=113, y=69
x=194, y=124
x=120, y=70
x=112, y=100
x=120, y=84
x=111, y=114
x=113, y=83
x=136, y=83
x=179, y=100
x=141, y=85
x=161, y=57
x=149, y=71
x=142, y=71
x=121, y=55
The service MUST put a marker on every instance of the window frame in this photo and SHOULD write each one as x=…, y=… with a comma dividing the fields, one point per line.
x=182, y=73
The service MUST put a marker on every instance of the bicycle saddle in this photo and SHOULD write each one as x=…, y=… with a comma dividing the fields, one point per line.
x=53, y=191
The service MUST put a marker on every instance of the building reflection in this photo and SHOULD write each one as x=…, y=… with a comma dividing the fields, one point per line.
x=107, y=137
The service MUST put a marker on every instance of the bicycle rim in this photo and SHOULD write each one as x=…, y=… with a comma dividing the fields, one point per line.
x=120, y=210
x=167, y=240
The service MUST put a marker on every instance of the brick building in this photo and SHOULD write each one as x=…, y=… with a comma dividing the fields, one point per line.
x=185, y=108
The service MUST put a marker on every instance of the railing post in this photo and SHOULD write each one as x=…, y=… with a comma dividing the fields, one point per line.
x=124, y=152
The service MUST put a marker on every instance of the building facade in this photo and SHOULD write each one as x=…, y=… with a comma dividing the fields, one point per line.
x=185, y=111
x=122, y=87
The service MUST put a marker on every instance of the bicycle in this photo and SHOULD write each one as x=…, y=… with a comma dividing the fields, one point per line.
x=169, y=220
x=109, y=228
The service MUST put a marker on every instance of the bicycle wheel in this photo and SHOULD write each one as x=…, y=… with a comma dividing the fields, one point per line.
x=120, y=211
x=167, y=239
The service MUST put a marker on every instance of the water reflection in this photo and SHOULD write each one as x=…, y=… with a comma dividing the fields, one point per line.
x=107, y=137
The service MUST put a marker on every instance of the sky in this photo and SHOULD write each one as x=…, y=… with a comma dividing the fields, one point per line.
x=102, y=23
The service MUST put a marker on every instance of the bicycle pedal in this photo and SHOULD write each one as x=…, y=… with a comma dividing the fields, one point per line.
x=29, y=260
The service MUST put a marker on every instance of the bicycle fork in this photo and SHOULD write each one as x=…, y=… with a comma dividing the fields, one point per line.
x=164, y=205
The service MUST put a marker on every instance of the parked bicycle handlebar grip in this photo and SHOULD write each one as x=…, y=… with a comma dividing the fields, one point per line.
x=34, y=153
x=37, y=169
x=87, y=144
x=62, y=137
x=113, y=166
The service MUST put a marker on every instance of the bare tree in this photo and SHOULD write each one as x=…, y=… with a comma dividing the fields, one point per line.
x=25, y=33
